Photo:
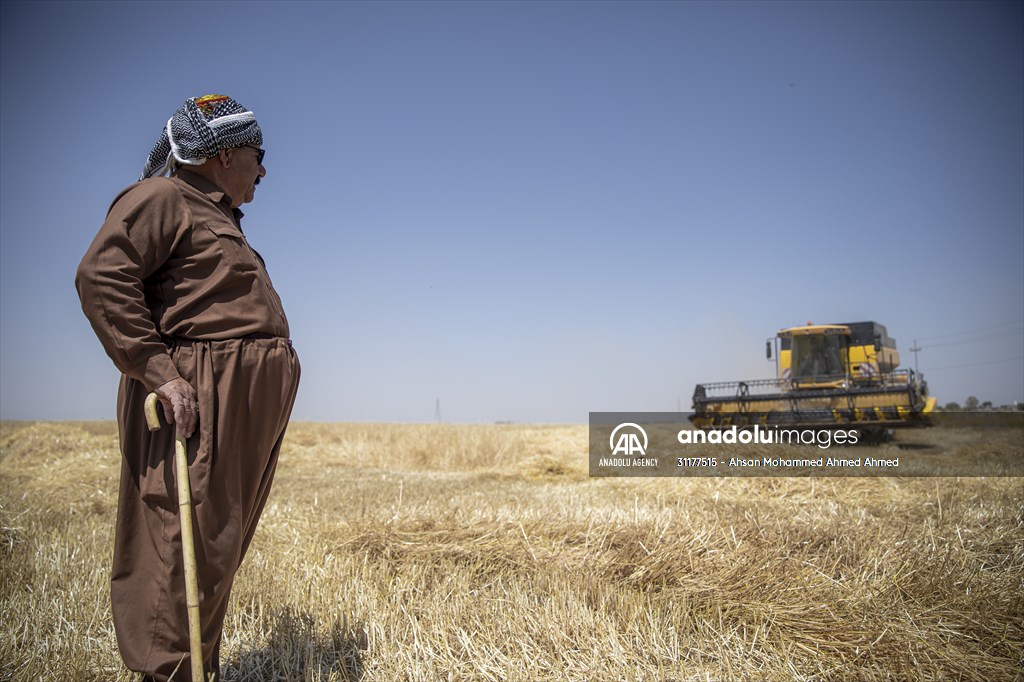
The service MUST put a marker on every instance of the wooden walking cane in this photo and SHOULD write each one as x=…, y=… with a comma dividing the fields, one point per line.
x=188, y=545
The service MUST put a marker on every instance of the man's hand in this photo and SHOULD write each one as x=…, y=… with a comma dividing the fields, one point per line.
x=178, y=399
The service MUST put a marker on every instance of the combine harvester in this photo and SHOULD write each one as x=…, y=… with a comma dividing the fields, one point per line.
x=829, y=376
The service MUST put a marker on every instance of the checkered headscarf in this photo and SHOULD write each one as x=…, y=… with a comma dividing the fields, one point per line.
x=198, y=130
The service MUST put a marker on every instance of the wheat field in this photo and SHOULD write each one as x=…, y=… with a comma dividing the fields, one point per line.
x=485, y=552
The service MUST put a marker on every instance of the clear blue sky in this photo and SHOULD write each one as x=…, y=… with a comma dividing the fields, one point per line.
x=533, y=210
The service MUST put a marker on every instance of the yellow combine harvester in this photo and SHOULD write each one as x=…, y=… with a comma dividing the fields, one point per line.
x=827, y=376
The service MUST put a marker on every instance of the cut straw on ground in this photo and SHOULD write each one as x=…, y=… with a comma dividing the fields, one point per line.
x=445, y=552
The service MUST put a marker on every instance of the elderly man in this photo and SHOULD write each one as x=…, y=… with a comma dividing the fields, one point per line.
x=184, y=307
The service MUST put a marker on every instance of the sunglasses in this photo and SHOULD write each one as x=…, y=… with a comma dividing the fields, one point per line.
x=259, y=153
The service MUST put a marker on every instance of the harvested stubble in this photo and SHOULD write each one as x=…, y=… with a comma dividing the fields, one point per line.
x=437, y=552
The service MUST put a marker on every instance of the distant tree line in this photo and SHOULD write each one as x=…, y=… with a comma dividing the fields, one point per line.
x=972, y=404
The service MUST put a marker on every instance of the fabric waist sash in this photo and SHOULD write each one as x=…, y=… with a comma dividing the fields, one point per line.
x=174, y=341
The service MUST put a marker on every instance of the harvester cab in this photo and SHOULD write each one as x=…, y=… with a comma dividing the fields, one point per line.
x=832, y=355
x=827, y=376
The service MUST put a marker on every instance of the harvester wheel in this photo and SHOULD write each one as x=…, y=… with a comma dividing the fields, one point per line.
x=874, y=435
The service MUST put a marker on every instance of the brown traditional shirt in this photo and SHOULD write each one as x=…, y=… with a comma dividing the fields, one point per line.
x=171, y=261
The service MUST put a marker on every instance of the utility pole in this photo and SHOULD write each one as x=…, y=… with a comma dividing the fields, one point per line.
x=914, y=349
x=437, y=411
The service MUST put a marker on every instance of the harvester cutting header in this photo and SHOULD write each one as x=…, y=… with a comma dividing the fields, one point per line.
x=827, y=376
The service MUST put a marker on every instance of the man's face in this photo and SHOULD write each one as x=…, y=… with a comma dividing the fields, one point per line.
x=244, y=173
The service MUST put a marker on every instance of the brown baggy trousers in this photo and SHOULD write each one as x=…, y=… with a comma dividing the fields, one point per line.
x=246, y=388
